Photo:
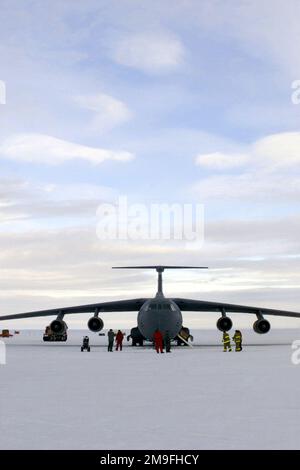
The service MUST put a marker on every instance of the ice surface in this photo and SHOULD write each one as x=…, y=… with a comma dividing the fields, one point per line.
x=53, y=396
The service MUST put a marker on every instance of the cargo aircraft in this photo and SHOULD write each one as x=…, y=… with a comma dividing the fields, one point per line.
x=159, y=312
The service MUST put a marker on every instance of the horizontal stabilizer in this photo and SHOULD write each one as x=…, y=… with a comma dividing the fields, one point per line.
x=160, y=268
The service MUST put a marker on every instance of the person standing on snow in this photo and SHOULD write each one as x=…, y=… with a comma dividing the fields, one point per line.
x=111, y=337
x=237, y=338
x=167, y=339
x=158, y=341
x=119, y=340
x=226, y=341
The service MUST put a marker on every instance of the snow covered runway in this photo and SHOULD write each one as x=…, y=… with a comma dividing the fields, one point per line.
x=52, y=396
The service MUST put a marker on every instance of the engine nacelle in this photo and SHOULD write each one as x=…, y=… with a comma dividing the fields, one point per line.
x=58, y=326
x=224, y=324
x=261, y=326
x=95, y=324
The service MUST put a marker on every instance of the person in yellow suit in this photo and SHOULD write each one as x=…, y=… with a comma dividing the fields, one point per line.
x=237, y=338
x=226, y=341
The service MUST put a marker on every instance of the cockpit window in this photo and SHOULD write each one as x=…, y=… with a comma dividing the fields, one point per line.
x=161, y=306
x=152, y=306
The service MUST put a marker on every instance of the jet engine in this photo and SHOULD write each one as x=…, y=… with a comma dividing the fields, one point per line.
x=224, y=323
x=261, y=326
x=58, y=326
x=95, y=324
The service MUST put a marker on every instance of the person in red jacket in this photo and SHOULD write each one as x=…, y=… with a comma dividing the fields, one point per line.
x=119, y=340
x=158, y=341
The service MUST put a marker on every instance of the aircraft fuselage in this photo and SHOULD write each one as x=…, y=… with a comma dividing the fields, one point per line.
x=159, y=313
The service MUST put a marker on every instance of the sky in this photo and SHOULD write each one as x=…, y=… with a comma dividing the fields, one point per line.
x=161, y=102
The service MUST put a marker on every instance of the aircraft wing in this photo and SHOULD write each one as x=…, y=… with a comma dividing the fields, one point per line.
x=203, y=306
x=114, y=306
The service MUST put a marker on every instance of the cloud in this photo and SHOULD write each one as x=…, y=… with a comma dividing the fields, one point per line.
x=267, y=30
x=279, y=150
x=252, y=186
x=149, y=52
x=273, y=27
x=44, y=262
x=220, y=161
x=265, y=175
x=108, y=112
x=40, y=148
x=251, y=261
x=23, y=202
x=56, y=267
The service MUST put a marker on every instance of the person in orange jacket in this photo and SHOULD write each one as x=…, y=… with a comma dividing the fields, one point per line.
x=119, y=340
x=158, y=341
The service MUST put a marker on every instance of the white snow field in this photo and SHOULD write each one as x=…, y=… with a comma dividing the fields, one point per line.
x=52, y=396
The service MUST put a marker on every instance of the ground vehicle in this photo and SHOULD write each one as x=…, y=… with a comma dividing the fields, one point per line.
x=185, y=335
x=136, y=337
x=85, y=344
x=49, y=335
x=5, y=334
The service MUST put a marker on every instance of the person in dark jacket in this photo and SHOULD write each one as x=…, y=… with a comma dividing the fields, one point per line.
x=158, y=341
x=167, y=339
x=119, y=340
x=111, y=337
